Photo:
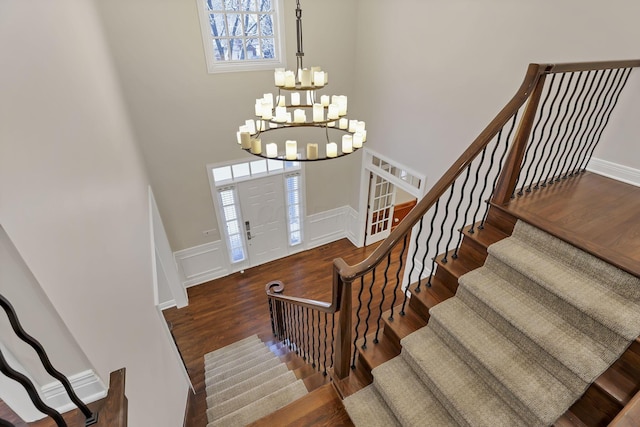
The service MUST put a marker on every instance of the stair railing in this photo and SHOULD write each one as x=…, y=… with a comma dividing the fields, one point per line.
x=7, y=370
x=546, y=133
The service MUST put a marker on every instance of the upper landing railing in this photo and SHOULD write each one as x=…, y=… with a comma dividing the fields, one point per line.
x=545, y=134
x=7, y=370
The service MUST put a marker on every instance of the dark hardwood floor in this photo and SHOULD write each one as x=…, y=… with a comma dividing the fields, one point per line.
x=597, y=214
x=234, y=307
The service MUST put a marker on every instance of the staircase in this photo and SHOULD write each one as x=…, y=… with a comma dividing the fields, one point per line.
x=529, y=164
x=517, y=345
x=252, y=378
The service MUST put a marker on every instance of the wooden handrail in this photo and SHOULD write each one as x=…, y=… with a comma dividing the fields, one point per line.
x=350, y=273
x=344, y=275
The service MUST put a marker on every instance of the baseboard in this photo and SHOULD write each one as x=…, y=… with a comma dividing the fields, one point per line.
x=167, y=304
x=87, y=385
x=615, y=171
x=202, y=263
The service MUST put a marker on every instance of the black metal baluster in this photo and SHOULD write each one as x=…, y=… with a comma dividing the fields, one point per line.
x=289, y=325
x=313, y=340
x=366, y=329
x=273, y=326
x=444, y=220
x=486, y=178
x=308, y=334
x=497, y=174
x=563, y=127
x=457, y=215
x=426, y=249
x=415, y=252
x=326, y=338
x=5, y=423
x=620, y=86
x=574, y=129
x=540, y=161
x=333, y=337
x=384, y=288
x=398, y=282
x=588, y=113
x=534, y=143
x=90, y=417
x=296, y=328
x=358, y=319
x=600, y=114
x=471, y=199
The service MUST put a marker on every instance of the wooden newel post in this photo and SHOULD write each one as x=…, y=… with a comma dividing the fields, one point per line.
x=277, y=313
x=343, y=345
x=507, y=181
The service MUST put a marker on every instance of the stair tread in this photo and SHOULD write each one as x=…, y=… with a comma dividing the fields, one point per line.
x=261, y=407
x=229, y=388
x=454, y=383
x=537, y=327
x=512, y=372
x=402, y=325
x=430, y=296
x=232, y=348
x=568, y=419
x=219, y=408
x=367, y=408
x=486, y=236
x=455, y=266
x=376, y=354
x=401, y=397
x=220, y=373
x=604, y=305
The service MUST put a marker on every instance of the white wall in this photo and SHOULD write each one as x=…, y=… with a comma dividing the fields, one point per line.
x=185, y=118
x=73, y=198
x=432, y=74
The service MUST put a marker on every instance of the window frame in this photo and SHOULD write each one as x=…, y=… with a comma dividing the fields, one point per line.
x=214, y=66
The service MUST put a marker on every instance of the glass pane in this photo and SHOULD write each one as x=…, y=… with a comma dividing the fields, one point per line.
x=266, y=25
x=295, y=238
x=259, y=166
x=295, y=226
x=291, y=165
x=241, y=170
x=235, y=241
x=214, y=5
x=253, y=49
x=236, y=50
x=217, y=23
x=226, y=197
x=230, y=213
x=268, y=48
x=231, y=4
x=294, y=212
x=250, y=25
x=222, y=174
x=252, y=5
x=274, y=165
x=264, y=5
x=233, y=228
x=234, y=24
x=293, y=198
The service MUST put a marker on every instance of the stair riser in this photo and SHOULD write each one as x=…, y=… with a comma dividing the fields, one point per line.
x=501, y=219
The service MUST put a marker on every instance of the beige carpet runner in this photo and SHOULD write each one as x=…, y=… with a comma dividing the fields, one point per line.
x=245, y=381
x=521, y=340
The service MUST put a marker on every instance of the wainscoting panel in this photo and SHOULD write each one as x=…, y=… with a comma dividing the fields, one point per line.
x=355, y=228
x=326, y=227
x=202, y=263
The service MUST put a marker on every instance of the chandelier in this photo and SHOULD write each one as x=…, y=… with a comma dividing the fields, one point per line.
x=298, y=105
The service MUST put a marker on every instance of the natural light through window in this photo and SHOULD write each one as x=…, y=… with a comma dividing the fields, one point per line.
x=292, y=188
x=241, y=34
x=230, y=208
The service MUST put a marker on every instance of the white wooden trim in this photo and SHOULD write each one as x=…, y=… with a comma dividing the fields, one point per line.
x=202, y=263
x=615, y=171
x=326, y=227
x=354, y=228
x=87, y=385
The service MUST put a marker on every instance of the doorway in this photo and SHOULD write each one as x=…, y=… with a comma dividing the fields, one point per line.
x=265, y=226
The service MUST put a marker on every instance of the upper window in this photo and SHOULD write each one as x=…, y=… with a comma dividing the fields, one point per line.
x=241, y=34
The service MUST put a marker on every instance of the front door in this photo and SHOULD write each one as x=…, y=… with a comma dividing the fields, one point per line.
x=264, y=215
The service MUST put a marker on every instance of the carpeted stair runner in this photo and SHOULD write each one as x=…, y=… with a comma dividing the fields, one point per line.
x=245, y=381
x=521, y=341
